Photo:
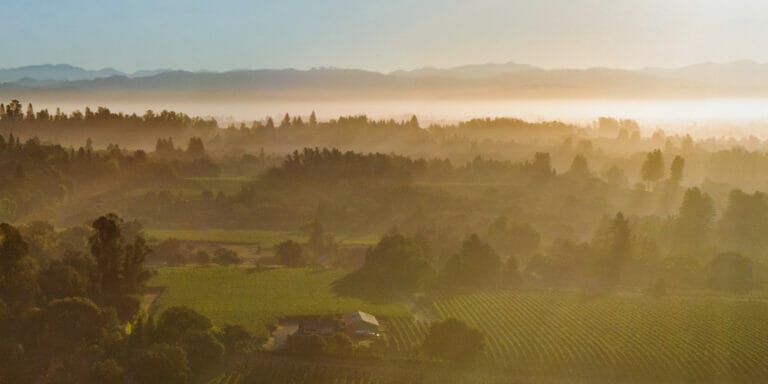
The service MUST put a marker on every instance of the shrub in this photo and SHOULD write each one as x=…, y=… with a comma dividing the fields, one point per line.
x=224, y=256
x=453, y=340
x=162, y=364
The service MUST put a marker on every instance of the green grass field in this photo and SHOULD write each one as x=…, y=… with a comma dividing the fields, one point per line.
x=688, y=338
x=236, y=295
x=266, y=239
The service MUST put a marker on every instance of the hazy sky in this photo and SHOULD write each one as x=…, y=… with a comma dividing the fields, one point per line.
x=380, y=35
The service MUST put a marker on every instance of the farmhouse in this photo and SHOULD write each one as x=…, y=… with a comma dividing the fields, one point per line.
x=318, y=325
x=360, y=322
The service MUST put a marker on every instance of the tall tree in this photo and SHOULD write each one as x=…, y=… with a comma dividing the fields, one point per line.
x=676, y=170
x=476, y=265
x=286, y=122
x=541, y=167
x=396, y=264
x=614, y=248
x=30, y=116
x=119, y=265
x=694, y=224
x=652, y=169
x=414, y=122
x=579, y=167
x=18, y=280
x=195, y=147
x=745, y=221
x=13, y=111
x=270, y=124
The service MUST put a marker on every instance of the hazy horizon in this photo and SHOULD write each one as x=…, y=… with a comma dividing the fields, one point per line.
x=393, y=70
x=383, y=36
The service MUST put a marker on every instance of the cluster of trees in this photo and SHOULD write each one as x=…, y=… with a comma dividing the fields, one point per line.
x=70, y=311
x=58, y=308
x=331, y=165
x=402, y=264
x=689, y=250
x=177, y=348
x=34, y=174
x=14, y=114
x=165, y=148
x=681, y=251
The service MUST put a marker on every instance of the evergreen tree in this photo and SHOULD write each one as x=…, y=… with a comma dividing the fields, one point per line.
x=476, y=265
x=745, y=221
x=676, y=170
x=614, y=248
x=195, y=147
x=693, y=226
x=653, y=167
x=286, y=122
x=579, y=167
x=30, y=116
x=414, y=122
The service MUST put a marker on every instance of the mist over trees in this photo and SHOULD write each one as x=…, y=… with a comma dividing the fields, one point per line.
x=408, y=212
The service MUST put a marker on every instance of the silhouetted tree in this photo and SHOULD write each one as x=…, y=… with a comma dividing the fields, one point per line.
x=195, y=147
x=693, y=226
x=290, y=254
x=286, y=122
x=745, y=221
x=162, y=364
x=653, y=167
x=676, y=170
x=119, y=265
x=454, y=341
x=731, y=272
x=613, y=245
x=30, y=116
x=476, y=265
x=396, y=264
x=579, y=167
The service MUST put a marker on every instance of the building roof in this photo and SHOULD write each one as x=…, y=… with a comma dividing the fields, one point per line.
x=360, y=316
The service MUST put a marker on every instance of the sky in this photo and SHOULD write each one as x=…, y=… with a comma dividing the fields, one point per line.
x=380, y=35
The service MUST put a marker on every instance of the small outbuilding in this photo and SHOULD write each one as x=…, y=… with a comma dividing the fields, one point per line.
x=361, y=323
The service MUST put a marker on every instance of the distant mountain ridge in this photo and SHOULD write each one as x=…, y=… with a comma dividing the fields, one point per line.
x=482, y=80
x=53, y=73
x=744, y=73
x=472, y=71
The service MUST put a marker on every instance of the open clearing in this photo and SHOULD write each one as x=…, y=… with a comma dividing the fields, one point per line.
x=255, y=298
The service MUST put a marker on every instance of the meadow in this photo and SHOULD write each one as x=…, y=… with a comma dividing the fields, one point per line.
x=256, y=298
